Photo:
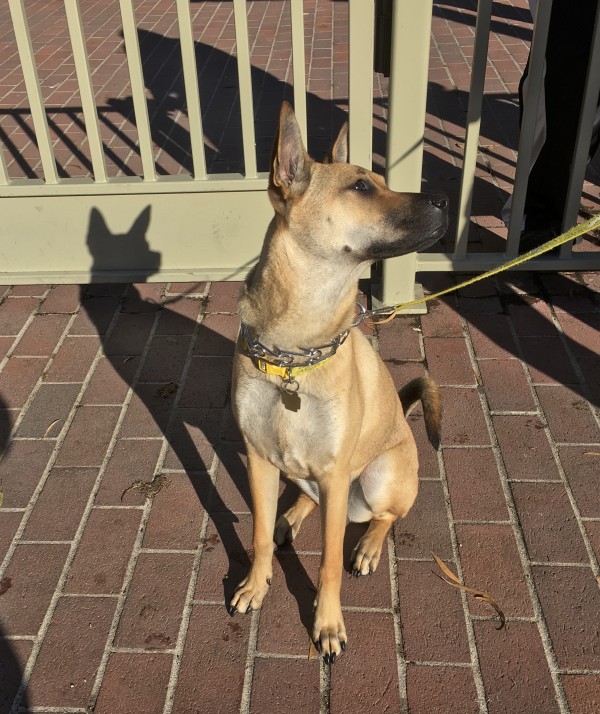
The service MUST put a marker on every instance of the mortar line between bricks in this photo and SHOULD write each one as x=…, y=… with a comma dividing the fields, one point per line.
x=479, y=522
x=22, y=331
x=175, y=551
x=102, y=507
x=199, y=551
x=509, y=618
x=475, y=667
x=513, y=412
x=249, y=668
x=58, y=710
x=135, y=551
x=400, y=655
x=44, y=542
x=277, y=655
x=515, y=523
x=556, y=454
x=360, y=608
x=35, y=650
x=577, y=443
x=141, y=650
x=40, y=380
x=557, y=564
x=107, y=596
x=435, y=663
x=580, y=671
x=534, y=480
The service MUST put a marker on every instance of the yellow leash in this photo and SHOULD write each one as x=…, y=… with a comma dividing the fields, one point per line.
x=571, y=234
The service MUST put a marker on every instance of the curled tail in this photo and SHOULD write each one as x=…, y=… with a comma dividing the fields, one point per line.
x=427, y=391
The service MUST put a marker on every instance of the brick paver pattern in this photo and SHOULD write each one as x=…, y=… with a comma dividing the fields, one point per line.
x=126, y=523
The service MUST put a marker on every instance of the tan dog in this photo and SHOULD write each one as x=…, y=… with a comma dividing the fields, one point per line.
x=342, y=436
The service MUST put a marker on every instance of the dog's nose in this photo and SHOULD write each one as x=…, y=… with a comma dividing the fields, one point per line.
x=439, y=201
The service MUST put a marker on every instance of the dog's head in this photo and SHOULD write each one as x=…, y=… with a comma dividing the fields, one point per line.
x=343, y=212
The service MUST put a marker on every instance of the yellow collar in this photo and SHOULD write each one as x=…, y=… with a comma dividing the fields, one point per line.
x=286, y=372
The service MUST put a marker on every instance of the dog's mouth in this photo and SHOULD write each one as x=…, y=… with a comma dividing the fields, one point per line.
x=415, y=242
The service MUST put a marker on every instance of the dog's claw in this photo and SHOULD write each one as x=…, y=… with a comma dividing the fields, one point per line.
x=343, y=645
x=356, y=573
x=232, y=610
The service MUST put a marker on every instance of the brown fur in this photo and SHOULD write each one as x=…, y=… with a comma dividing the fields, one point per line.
x=348, y=447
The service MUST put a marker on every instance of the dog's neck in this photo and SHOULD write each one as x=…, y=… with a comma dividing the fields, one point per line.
x=292, y=298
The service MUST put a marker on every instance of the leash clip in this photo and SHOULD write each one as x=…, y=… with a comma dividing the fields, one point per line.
x=288, y=384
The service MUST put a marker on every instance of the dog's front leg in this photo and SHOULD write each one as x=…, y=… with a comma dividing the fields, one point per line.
x=264, y=484
x=329, y=632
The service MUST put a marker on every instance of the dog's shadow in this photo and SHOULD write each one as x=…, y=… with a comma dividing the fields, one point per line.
x=191, y=410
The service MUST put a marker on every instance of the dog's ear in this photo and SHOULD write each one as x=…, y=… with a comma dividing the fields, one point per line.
x=338, y=153
x=290, y=166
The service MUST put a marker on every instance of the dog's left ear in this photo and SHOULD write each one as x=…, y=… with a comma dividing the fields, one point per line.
x=338, y=153
x=291, y=163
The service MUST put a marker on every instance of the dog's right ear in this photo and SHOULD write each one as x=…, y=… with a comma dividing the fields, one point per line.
x=339, y=151
x=290, y=166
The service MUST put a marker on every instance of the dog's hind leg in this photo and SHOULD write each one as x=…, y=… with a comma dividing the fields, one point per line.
x=288, y=524
x=387, y=488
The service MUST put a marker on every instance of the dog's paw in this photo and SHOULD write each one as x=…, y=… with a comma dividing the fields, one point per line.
x=329, y=636
x=286, y=529
x=249, y=594
x=365, y=557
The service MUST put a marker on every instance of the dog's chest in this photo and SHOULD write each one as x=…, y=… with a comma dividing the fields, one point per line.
x=300, y=443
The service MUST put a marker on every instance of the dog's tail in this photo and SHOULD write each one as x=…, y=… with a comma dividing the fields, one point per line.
x=427, y=391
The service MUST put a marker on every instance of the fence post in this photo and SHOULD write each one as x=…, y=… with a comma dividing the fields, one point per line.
x=411, y=28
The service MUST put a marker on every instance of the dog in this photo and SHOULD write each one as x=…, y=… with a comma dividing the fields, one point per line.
x=328, y=416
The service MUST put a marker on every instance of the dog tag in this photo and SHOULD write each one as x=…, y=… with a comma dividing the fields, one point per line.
x=291, y=400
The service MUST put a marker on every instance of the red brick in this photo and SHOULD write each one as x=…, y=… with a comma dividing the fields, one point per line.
x=474, y=485
x=368, y=671
x=448, y=360
x=443, y=690
x=9, y=523
x=581, y=331
x=134, y=682
x=111, y=380
x=130, y=461
x=442, y=319
x=547, y=360
x=463, y=422
x=525, y=449
x=211, y=677
x=70, y=655
x=399, y=339
x=432, y=616
x=50, y=520
x=166, y=358
x=14, y=314
x=583, y=692
x=548, y=523
x=15, y=654
x=581, y=470
x=52, y=403
x=232, y=481
x=570, y=600
x=30, y=578
x=5, y=344
x=425, y=528
x=148, y=412
x=129, y=335
x=590, y=367
x=506, y=386
x=179, y=317
x=155, y=600
x=188, y=288
x=176, y=515
x=223, y=297
x=88, y=437
x=104, y=552
x=19, y=377
x=29, y=290
x=404, y=372
x=225, y=560
x=41, y=336
x=373, y=590
x=568, y=415
x=484, y=545
x=193, y=438
x=95, y=316
x=207, y=383
x=491, y=336
x=61, y=299
x=144, y=297
x=514, y=669
x=19, y=483
x=532, y=317
x=593, y=531
x=297, y=688
x=73, y=360
x=217, y=335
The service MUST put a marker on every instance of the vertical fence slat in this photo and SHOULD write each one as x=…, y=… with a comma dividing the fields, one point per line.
x=299, y=72
x=136, y=77
x=535, y=82
x=4, y=180
x=34, y=92
x=584, y=136
x=478, y=69
x=411, y=30
x=361, y=29
x=192, y=96
x=86, y=91
x=245, y=80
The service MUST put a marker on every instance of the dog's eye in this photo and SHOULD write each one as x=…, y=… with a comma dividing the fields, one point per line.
x=361, y=185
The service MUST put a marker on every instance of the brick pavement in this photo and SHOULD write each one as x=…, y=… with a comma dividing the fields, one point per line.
x=112, y=600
